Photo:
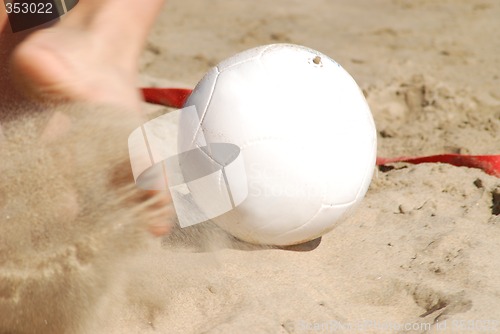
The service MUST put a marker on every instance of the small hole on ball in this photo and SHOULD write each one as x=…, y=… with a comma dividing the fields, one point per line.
x=317, y=60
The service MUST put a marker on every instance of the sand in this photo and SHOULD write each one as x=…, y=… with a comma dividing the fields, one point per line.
x=418, y=256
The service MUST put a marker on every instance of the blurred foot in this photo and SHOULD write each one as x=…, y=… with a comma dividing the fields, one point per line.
x=75, y=64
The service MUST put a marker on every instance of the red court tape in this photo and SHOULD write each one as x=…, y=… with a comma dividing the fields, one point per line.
x=176, y=97
x=170, y=97
x=488, y=163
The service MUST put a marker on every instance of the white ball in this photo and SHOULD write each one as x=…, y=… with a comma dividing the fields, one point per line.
x=306, y=135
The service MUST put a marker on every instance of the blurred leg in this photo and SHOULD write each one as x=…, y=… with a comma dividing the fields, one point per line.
x=91, y=55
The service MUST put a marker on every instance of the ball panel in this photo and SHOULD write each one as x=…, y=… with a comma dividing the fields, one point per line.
x=189, y=136
x=240, y=103
x=242, y=57
x=335, y=108
x=365, y=184
x=279, y=198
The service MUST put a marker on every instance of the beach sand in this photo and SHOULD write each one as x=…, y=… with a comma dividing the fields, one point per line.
x=420, y=253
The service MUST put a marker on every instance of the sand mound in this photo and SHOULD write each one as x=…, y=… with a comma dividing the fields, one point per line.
x=420, y=115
